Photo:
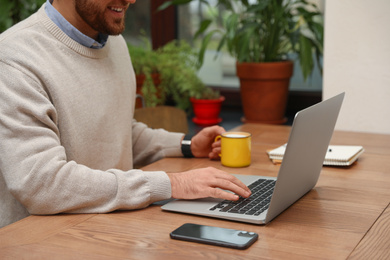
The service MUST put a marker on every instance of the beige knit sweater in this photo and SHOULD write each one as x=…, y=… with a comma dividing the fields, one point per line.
x=67, y=138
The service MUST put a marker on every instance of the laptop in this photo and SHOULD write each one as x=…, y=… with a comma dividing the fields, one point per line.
x=308, y=142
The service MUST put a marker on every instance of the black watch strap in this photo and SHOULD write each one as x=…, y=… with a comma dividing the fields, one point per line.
x=186, y=147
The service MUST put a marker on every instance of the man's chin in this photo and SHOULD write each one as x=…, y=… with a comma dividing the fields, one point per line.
x=114, y=30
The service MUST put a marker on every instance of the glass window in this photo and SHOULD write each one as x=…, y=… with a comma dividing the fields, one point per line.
x=138, y=22
x=218, y=69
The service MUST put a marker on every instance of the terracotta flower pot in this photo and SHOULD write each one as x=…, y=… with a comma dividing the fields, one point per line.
x=207, y=111
x=264, y=90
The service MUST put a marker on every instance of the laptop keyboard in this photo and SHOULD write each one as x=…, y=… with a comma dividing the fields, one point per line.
x=256, y=204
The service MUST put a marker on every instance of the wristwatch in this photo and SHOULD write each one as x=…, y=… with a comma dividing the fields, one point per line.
x=186, y=147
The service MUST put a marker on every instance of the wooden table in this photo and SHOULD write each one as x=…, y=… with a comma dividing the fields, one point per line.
x=346, y=216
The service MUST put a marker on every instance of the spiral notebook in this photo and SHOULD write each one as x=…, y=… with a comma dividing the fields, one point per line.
x=336, y=155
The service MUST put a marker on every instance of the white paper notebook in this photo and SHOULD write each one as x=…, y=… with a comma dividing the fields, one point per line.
x=337, y=155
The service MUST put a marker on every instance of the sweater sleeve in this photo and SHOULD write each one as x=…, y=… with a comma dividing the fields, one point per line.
x=150, y=145
x=35, y=167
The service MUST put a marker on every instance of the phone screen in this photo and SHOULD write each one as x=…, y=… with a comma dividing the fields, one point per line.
x=215, y=236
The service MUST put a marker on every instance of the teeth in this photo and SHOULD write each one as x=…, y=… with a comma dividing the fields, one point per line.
x=117, y=9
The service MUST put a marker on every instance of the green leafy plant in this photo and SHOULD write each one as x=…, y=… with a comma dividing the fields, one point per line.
x=13, y=11
x=263, y=30
x=146, y=63
x=207, y=93
x=176, y=64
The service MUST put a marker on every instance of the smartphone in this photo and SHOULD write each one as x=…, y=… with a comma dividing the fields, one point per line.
x=231, y=238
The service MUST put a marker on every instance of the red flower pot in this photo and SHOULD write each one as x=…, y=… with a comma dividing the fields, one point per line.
x=207, y=111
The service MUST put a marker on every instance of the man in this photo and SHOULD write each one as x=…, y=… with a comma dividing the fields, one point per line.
x=67, y=139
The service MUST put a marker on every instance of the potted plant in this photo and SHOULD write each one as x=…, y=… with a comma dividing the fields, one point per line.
x=206, y=105
x=145, y=63
x=179, y=78
x=167, y=75
x=260, y=34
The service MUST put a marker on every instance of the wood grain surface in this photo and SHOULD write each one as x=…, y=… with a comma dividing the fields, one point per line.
x=347, y=215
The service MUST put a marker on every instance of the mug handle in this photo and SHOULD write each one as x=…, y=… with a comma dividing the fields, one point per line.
x=218, y=137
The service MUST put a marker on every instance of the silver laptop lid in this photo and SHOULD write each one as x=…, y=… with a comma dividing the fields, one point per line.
x=302, y=162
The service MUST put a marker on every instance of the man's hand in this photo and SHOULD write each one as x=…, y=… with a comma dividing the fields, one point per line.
x=202, y=144
x=207, y=182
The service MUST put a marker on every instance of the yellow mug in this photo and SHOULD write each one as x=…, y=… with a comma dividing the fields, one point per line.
x=235, y=149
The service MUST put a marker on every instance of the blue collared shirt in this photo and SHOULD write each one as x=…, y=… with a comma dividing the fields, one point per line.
x=72, y=31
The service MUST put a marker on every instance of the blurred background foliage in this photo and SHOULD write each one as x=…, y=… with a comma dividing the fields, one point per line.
x=13, y=11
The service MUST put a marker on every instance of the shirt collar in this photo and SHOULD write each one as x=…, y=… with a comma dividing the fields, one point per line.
x=72, y=31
